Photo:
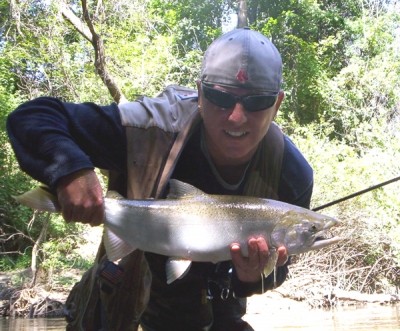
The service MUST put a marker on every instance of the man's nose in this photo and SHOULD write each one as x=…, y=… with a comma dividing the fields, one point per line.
x=238, y=114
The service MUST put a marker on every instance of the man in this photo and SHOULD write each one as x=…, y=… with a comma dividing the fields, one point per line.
x=221, y=139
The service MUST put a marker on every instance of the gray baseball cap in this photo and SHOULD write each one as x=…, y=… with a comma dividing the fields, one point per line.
x=243, y=58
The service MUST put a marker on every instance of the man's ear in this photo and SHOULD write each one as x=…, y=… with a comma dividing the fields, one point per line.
x=281, y=96
x=199, y=99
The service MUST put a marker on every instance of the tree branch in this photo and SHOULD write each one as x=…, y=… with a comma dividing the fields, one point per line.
x=75, y=21
x=16, y=233
x=12, y=252
x=36, y=247
x=90, y=34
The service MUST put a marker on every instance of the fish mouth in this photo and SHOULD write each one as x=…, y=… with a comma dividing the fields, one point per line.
x=322, y=241
x=330, y=224
x=323, y=237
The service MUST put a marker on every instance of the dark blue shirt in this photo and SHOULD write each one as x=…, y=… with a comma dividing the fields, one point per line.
x=52, y=139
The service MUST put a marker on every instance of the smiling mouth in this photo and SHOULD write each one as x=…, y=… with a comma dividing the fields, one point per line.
x=236, y=134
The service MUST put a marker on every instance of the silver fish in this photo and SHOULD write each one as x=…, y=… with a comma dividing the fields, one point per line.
x=191, y=225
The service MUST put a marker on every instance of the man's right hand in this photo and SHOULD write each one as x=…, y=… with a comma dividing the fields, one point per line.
x=80, y=196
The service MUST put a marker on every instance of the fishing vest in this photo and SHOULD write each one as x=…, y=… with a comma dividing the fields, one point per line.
x=156, y=132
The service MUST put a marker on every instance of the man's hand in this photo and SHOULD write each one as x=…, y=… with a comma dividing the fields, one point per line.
x=81, y=198
x=249, y=268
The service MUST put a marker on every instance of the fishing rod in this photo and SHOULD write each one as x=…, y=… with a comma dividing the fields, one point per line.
x=334, y=202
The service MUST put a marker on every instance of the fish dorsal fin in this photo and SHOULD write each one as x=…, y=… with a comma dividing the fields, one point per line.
x=115, y=247
x=176, y=268
x=114, y=195
x=181, y=190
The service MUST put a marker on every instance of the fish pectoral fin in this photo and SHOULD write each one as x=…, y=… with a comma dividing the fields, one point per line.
x=176, y=268
x=115, y=247
x=273, y=258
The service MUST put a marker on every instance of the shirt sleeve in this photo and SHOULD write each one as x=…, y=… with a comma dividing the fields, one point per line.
x=52, y=139
x=297, y=178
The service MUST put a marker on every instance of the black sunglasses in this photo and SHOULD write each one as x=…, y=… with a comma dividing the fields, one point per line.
x=251, y=103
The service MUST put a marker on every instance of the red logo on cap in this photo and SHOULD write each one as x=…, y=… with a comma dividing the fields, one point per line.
x=241, y=76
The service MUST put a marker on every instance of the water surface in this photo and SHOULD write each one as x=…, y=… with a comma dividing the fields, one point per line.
x=34, y=324
x=371, y=317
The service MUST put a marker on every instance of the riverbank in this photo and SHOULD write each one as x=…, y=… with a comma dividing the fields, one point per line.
x=44, y=300
x=18, y=299
x=316, y=280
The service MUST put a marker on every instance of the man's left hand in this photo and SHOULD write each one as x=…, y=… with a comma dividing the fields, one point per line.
x=249, y=268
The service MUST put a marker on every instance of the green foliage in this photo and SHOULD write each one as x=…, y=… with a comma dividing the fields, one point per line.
x=11, y=218
x=194, y=24
x=24, y=261
x=260, y=10
x=309, y=35
x=303, y=81
x=362, y=100
x=341, y=68
x=20, y=262
x=368, y=259
x=60, y=252
x=341, y=170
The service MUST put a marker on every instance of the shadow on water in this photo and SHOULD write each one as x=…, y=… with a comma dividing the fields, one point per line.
x=374, y=317
x=35, y=324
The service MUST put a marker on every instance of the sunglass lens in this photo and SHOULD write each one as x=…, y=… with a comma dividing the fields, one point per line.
x=258, y=102
x=251, y=103
x=219, y=98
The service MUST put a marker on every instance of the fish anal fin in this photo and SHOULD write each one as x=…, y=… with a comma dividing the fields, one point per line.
x=115, y=247
x=176, y=268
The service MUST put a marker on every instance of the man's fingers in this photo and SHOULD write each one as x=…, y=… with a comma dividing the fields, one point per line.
x=263, y=251
x=81, y=198
x=236, y=255
x=282, y=256
x=249, y=268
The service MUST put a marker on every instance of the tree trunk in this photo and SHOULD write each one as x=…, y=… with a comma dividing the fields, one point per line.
x=242, y=14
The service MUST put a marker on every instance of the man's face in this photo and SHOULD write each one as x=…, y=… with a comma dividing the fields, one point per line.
x=233, y=134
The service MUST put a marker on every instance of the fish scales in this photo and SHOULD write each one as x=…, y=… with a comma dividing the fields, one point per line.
x=190, y=225
x=198, y=229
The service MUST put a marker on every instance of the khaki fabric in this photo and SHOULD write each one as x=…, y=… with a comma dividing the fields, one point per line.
x=264, y=176
x=154, y=146
x=96, y=304
x=152, y=126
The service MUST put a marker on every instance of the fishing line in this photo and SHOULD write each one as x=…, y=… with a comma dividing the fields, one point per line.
x=334, y=202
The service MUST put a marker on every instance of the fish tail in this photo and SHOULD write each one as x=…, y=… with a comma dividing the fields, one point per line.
x=40, y=199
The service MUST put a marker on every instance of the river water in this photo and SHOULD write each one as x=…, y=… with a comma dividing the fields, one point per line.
x=36, y=324
x=371, y=317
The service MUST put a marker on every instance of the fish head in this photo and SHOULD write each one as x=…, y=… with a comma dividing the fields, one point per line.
x=303, y=231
